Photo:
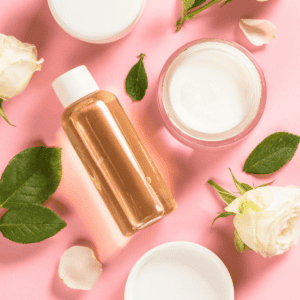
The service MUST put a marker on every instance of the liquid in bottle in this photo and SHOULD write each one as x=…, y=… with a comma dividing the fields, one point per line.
x=112, y=152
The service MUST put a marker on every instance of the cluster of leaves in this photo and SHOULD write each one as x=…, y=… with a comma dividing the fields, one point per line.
x=29, y=179
x=191, y=8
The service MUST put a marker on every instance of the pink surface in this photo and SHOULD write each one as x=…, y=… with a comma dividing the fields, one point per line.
x=30, y=271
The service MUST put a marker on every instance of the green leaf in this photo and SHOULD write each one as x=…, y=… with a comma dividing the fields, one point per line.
x=272, y=153
x=265, y=184
x=226, y=196
x=32, y=176
x=242, y=187
x=196, y=4
x=137, y=81
x=30, y=224
x=3, y=114
x=225, y=2
x=239, y=244
x=187, y=4
x=222, y=215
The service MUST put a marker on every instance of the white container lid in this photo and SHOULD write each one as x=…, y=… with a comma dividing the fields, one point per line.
x=74, y=85
x=97, y=21
x=177, y=271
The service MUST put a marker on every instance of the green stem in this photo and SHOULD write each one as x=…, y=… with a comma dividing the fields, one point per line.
x=3, y=114
x=190, y=15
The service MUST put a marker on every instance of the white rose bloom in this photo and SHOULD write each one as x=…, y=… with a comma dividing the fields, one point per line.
x=18, y=62
x=268, y=219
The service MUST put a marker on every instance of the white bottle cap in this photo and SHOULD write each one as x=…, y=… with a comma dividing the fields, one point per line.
x=96, y=21
x=74, y=85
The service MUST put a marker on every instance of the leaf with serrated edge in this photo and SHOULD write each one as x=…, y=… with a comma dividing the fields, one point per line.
x=32, y=176
x=222, y=215
x=239, y=244
x=137, y=81
x=272, y=153
x=30, y=224
x=242, y=187
x=226, y=196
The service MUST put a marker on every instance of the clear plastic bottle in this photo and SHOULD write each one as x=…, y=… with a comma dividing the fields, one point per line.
x=112, y=152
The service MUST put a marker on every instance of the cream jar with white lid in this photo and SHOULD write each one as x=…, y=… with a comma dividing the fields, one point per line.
x=211, y=93
x=97, y=21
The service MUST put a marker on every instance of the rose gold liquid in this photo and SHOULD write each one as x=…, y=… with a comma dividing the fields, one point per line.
x=117, y=161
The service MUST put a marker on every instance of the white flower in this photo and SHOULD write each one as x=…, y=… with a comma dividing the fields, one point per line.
x=258, y=32
x=268, y=219
x=79, y=268
x=18, y=62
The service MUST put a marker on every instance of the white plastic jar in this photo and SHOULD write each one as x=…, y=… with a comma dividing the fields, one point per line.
x=97, y=21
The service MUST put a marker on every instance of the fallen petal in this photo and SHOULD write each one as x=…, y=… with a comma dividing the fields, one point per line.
x=79, y=268
x=258, y=32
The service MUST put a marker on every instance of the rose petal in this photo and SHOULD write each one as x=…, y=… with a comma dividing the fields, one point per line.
x=18, y=62
x=79, y=269
x=258, y=32
x=14, y=79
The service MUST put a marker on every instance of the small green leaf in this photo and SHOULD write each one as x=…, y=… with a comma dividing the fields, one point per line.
x=265, y=184
x=222, y=215
x=239, y=244
x=187, y=4
x=137, y=81
x=196, y=4
x=272, y=153
x=3, y=114
x=30, y=224
x=226, y=196
x=32, y=176
x=224, y=2
x=242, y=187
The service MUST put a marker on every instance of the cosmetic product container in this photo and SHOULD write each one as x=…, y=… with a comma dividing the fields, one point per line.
x=97, y=21
x=112, y=152
x=177, y=271
x=211, y=93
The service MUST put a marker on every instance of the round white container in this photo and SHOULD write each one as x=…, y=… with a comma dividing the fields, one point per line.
x=211, y=93
x=97, y=21
x=177, y=271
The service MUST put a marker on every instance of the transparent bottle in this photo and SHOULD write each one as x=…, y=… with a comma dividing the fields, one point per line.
x=112, y=152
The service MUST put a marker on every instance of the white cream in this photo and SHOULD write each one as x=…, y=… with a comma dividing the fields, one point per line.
x=210, y=89
x=96, y=21
x=179, y=271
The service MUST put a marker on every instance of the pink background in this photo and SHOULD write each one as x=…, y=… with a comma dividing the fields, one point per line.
x=30, y=271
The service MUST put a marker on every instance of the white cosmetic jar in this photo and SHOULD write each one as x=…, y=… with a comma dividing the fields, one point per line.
x=97, y=21
x=177, y=271
x=211, y=93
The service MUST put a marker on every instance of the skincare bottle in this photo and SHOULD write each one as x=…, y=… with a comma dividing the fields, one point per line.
x=112, y=152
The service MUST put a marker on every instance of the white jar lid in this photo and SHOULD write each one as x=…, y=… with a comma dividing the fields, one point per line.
x=97, y=21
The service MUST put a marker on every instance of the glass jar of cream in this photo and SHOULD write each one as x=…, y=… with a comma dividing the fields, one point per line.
x=97, y=21
x=211, y=93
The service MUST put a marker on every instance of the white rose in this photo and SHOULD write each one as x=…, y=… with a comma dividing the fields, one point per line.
x=18, y=62
x=268, y=219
